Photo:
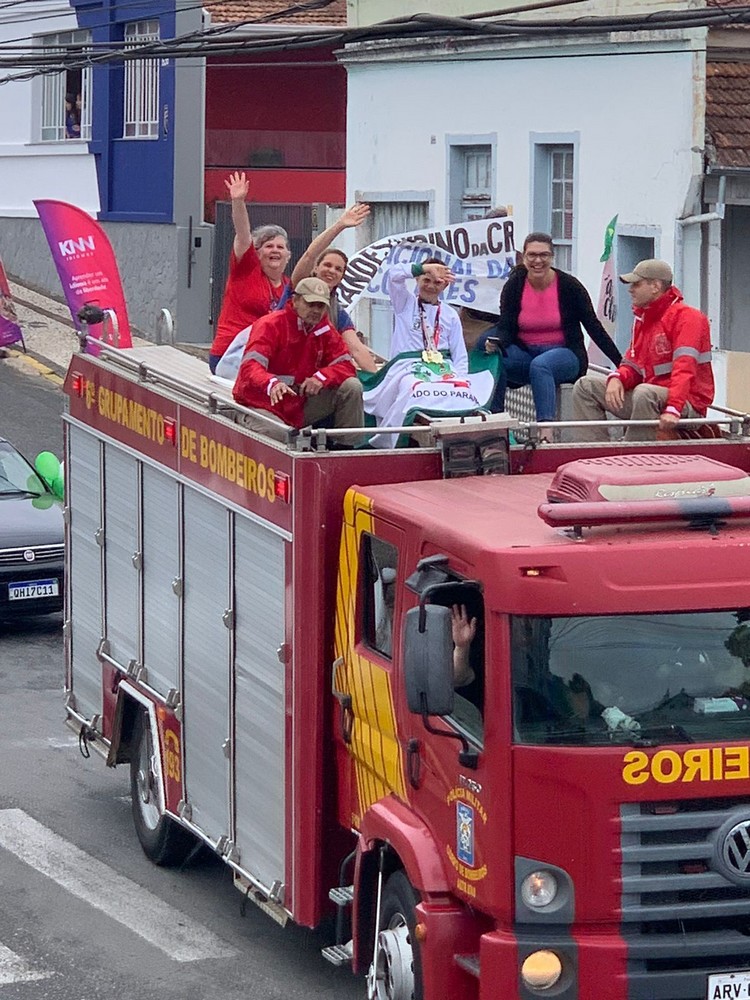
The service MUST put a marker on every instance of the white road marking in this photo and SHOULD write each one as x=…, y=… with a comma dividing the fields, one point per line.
x=174, y=933
x=13, y=969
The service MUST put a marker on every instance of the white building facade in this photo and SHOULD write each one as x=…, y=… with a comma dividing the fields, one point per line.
x=39, y=156
x=568, y=134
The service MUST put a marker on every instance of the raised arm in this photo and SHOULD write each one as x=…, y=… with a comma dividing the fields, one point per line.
x=353, y=216
x=464, y=629
x=238, y=187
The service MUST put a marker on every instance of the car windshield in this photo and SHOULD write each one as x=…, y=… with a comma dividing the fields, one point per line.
x=643, y=680
x=16, y=475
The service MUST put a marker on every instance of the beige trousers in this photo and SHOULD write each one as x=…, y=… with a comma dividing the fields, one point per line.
x=344, y=403
x=645, y=402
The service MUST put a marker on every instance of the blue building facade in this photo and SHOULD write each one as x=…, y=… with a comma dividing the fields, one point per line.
x=134, y=158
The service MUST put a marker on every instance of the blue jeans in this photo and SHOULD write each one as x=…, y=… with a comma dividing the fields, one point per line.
x=543, y=368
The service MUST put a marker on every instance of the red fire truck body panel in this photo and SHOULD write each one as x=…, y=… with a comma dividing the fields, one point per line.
x=571, y=809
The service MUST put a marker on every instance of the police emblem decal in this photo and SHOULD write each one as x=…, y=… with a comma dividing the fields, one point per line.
x=465, y=834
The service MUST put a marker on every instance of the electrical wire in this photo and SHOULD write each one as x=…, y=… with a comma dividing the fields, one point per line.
x=227, y=39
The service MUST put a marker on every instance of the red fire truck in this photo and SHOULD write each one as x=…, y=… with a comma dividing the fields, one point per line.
x=268, y=634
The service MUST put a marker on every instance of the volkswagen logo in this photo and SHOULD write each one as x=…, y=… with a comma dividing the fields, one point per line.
x=732, y=850
x=29, y=555
x=735, y=851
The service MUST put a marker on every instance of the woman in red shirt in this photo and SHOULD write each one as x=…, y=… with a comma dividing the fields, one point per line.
x=256, y=284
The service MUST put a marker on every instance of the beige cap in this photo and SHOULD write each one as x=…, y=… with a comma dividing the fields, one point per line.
x=313, y=290
x=648, y=270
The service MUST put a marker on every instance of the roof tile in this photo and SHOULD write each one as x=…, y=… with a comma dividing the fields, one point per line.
x=267, y=12
x=728, y=113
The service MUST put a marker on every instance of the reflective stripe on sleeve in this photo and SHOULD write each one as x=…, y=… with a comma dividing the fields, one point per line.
x=664, y=369
x=260, y=358
x=634, y=366
x=341, y=357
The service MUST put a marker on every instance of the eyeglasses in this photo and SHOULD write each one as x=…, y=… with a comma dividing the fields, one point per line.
x=539, y=256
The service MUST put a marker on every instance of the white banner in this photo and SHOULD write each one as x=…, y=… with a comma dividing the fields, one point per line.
x=480, y=253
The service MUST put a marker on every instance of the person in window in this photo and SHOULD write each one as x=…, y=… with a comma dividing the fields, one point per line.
x=468, y=679
x=463, y=629
x=256, y=284
x=321, y=260
x=539, y=332
x=72, y=117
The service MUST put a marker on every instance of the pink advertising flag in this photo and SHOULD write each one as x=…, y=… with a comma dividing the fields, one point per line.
x=87, y=267
x=10, y=331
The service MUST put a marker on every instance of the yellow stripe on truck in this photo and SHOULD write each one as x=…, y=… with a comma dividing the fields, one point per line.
x=374, y=745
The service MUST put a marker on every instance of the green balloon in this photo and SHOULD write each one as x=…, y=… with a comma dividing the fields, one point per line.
x=48, y=466
x=58, y=487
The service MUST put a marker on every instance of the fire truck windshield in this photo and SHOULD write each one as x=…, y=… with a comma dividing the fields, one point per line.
x=644, y=680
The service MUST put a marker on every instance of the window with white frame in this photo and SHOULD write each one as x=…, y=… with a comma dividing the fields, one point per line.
x=554, y=197
x=470, y=169
x=141, y=117
x=66, y=96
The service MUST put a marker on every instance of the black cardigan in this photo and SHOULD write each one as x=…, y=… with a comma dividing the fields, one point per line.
x=576, y=310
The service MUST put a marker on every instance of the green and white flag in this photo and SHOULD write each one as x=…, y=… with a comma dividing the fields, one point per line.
x=606, y=308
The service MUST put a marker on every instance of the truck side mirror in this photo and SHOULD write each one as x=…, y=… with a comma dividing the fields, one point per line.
x=428, y=660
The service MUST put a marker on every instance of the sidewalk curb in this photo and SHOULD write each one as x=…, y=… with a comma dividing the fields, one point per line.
x=40, y=365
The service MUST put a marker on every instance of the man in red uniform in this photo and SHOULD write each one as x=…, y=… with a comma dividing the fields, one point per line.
x=297, y=366
x=666, y=372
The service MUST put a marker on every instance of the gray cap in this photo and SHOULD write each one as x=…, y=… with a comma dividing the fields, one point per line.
x=648, y=270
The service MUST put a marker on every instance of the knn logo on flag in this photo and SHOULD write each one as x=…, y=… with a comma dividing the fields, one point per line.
x=87, y=267
x=69, y=248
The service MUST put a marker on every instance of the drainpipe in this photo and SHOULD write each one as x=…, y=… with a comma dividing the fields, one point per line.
x=697, y=220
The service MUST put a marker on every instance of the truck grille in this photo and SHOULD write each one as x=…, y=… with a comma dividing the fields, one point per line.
x=42, y=554
x=685, y=912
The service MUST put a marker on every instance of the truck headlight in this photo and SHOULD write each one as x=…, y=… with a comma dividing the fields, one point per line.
x=539, y=889
x=541, y=970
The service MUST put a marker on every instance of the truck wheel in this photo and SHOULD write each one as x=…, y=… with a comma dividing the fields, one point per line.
x=163, y=840
x=397, y=974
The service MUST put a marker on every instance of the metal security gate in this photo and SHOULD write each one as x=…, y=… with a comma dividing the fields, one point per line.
x=301, y=222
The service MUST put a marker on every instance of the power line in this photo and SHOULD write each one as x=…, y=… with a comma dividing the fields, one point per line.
x=210, y=42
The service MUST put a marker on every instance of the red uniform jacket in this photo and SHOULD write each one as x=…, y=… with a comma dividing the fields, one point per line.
x=671, y=347
x=279, y=349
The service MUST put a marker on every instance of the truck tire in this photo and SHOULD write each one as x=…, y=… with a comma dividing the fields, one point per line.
x=164, y=841
x=398, y=971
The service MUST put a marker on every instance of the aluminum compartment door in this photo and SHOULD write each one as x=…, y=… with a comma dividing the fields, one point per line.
x=259, y=701
x=161, y=574
x=84, y=569
x=206, y=662
x=121, y=579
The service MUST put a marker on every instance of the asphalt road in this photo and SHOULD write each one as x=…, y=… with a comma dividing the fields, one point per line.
x=82, y=908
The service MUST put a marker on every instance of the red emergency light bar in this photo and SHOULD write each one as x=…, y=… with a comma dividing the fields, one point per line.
x=170, y=430
x=77, y=383
x=703, y=510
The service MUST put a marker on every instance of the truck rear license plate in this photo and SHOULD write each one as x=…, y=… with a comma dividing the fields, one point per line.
x=34, y=588
x=729, y=986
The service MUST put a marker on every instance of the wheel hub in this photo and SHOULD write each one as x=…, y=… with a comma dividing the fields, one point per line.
x=392, y=978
